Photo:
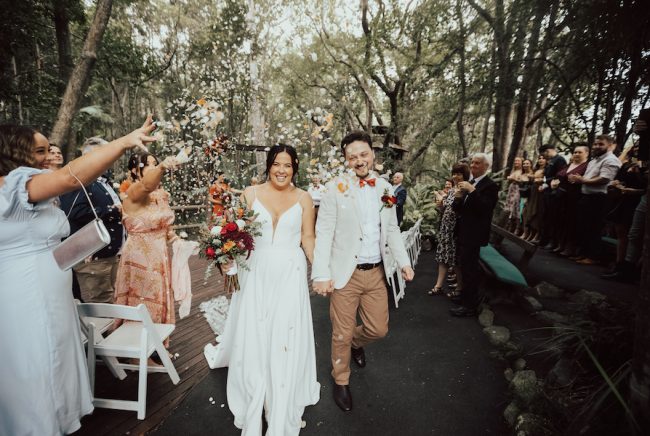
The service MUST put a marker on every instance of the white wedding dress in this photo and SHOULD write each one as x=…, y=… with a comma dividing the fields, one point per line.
x=268, y=340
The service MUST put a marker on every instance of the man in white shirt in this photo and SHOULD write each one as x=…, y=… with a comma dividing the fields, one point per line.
x=316, y=190
x=592, y=206
x=356, y=229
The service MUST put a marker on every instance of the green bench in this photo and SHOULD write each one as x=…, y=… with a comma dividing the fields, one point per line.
x=501, y=268
x=609, y=241
x=528, y=249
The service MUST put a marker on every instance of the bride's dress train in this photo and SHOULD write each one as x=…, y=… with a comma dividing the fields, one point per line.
x=268, y=340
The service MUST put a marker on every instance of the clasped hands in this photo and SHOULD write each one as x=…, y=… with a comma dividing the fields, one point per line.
x=466, y=187
x=326, y=287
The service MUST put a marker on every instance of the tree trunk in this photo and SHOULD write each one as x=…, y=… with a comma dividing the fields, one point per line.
x=79, y=79
x=629, y=94
x=528, y=87
x=460, y=127
x=19, y=98
x=63, y=41
x=490, y=102
x=256, y=118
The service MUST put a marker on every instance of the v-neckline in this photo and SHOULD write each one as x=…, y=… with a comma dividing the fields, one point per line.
x=274, y=225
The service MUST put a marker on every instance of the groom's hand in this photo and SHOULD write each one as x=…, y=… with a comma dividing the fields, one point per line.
x=408, y=273
x=323, y=287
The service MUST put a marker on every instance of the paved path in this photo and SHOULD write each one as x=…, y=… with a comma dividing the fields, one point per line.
x=432, y=375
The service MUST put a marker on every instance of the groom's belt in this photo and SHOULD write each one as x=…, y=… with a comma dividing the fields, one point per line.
x=367, y=266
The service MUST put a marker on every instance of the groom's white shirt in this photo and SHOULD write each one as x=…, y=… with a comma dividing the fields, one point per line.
x=349, y=221
x=367, y=205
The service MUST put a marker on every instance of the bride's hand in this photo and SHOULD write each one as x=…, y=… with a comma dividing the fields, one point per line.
x=324, y=287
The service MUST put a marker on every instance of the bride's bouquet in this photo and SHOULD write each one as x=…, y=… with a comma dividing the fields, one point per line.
x=230, y=238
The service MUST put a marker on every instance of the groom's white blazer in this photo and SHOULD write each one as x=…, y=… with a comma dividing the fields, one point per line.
x=338, y=232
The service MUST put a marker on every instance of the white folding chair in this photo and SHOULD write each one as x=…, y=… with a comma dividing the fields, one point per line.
x=102, y=325
x=137, y=337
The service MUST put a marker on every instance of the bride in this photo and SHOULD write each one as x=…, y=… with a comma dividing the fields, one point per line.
x=268, y=340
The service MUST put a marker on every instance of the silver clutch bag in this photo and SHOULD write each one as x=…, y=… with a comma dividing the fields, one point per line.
x=85, y=242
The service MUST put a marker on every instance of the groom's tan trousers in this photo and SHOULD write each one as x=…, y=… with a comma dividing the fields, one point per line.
x=366, y=293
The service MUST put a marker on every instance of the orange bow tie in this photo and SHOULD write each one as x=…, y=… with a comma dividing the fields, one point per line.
x=364, y=182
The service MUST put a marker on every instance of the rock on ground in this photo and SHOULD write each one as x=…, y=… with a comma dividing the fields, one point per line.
x=525, y=387
x=497, y=335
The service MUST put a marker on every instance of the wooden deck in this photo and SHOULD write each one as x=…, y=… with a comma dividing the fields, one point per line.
x=191, y=334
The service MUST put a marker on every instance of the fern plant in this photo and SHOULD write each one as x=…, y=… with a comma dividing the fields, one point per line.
x=421, y=203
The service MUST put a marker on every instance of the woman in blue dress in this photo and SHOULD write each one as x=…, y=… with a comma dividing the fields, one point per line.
x=45, y=388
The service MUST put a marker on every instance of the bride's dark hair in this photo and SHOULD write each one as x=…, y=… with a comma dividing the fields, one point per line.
x=282, y=148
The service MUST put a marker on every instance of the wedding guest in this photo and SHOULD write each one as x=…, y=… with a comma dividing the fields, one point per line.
x=54, y=157
x=96, y=277
x=628, y=187
x=446, y=256
x=524, y=184
x=217, y=189
x=144, y=274
x=550, y=223
x=316, y=191
x=568, y=195
x=400, y=193
x=534, y=209
x=601, y=170
x=449, y=183
x=513, y=198
x=45, y=387
x=474, y=203
x=627, y=270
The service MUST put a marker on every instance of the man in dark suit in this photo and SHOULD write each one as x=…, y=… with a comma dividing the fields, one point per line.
x=400, y=193
x=97, y=276
x=474, y=204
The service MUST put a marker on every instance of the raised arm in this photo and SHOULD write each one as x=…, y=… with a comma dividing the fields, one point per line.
x=139, y=191
x=308, y=234
x=87, y=167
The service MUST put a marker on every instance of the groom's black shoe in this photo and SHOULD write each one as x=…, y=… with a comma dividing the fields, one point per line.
x=342, y=397
x=359, y=357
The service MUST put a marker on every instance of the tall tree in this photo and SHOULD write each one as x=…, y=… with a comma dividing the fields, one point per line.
x=63, y=41
x=80, y=77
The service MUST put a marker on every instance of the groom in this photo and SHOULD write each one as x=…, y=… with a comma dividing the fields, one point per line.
x=355, y=230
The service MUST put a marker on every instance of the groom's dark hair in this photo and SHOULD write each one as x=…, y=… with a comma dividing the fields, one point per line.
x=356, y=135
x=282, y=148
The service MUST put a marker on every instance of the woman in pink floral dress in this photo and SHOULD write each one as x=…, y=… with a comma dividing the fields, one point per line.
x=144, y=274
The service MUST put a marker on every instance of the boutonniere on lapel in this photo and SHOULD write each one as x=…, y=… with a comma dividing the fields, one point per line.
x=342, y=187
x=387, y=200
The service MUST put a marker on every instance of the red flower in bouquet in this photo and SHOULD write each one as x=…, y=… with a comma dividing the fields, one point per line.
x=388, y=200
x=210, y=252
